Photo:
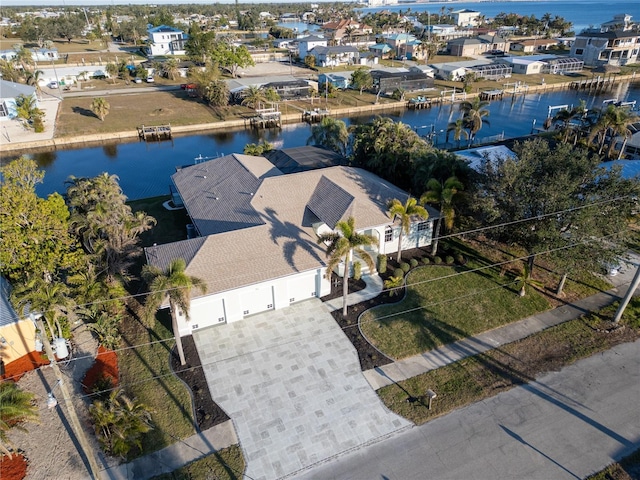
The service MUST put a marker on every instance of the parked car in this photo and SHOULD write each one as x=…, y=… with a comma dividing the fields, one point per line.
x=150, y=79
x=53, y=84
x=137, y=80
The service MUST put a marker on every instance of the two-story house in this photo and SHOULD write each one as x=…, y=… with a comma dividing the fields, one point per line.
x=611, y=47
x=165, y=40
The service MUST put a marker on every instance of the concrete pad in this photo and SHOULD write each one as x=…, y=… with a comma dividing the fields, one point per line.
x=291, y=382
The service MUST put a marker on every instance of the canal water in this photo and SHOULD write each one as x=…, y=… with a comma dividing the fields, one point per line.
x=144, y=168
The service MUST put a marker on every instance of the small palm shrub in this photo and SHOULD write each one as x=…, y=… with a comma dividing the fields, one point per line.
x=382, y=263
x=357, y=270
x=405, y=267
x=393, y=284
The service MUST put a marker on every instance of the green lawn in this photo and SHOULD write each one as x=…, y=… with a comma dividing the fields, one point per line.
x=488, y=374
x=146, y=372
x=227, y=464
x=171, y=225
x=442, y=306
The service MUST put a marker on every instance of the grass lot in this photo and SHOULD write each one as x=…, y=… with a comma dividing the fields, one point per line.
x=146, y=372
x=129, y=111
x=486, y=375
x=627, y=469
x=227, y=464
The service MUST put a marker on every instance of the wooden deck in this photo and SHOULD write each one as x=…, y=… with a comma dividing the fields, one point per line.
x=315, y=115
x=266, y=118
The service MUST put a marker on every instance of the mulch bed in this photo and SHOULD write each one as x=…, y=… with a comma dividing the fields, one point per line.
x=336, y=287
x=14, y=468
x=208, y=413
x=103, y=372
x=16, y=369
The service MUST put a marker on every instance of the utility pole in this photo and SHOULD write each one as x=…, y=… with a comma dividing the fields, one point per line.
x=627, y=297
x=73, y=415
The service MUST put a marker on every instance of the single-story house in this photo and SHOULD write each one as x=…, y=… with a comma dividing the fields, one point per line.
x=387, y=81
x=533, y=45
x=523, y=65
x=380, y=49
x=257, y=247
x=338, y=80
x=8, y=93
x=466, y=47
x=17, y=333
x=37, y=54
x=334, y=56
x=426, y=69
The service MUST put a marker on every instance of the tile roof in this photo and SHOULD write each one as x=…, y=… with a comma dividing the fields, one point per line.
x=279, y=240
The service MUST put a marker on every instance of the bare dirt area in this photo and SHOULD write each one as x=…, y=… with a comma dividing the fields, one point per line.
x=49, y=446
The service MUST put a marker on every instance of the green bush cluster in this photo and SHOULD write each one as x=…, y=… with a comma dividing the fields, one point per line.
x=459, y=258
x=437, y=260
x=398, y=272
x=357, y=270
x=405, y=267
x=449, y=259
x=413, y=262
x=426, y=260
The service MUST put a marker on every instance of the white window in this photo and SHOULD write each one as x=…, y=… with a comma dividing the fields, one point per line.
x=388, y=234
x=423, y=226
x=4, y=112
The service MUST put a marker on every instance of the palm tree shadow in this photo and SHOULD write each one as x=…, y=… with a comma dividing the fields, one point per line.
x=84, y=112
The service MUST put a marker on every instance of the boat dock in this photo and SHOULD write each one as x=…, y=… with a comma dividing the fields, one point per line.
x=593, y=84
x=418, y=103
x=155, y=132
x=491, y=95
x=315, y=115
x=266, y=118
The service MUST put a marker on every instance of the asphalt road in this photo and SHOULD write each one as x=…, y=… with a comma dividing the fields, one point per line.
x=566, y=425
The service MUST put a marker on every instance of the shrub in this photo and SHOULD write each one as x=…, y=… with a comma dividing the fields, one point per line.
x=398, y=272
x=357, y=270
x=459, y=258
x=448, y=259
x=38, y=124
x=393, y=285
x=437, y=260
x=426, y=260
x=405, y=267
x=413, y=262
x=382, y=263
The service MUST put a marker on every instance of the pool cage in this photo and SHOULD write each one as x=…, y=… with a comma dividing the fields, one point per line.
x=493, y=71
x=559, y=66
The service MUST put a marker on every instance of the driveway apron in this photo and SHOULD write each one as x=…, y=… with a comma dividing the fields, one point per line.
x=291, y=382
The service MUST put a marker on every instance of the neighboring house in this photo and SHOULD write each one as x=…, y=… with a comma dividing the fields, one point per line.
x=466, y=17
x=37, y=54
x=475, y=156
x=465, y=47
x=341, y=31
x=306, y=44
x=426, y=69
x=456, y=70
x=164, y=40
x=533, y=45
x=523, y=65
x=334, y=56
x=17, y=334
x=289, y=89
x=8, y=93
x=552, y=64
x=614, y=47
x=386, y=81
x=380, y=49
x=258, y=247
x=338, y=80
x=405, y=45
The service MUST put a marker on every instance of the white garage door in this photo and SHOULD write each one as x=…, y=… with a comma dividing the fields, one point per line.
x=301, y=289
x=207, y=313
x=257, y=300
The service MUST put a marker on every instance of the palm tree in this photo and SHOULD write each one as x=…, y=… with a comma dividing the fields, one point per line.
x=458, y=129
x=253, y=97
x=175, y=284
x=112, y=70
x=525, y=279
x=120, y=422
x=27, y=107
x=170, y=68
x=33, y=79
x=330, y=133
x=443, y=194
x=475, y=112
x=340, y=245
x=395, y=208
x=16, y=407
x=619, y=127
x=100, y=107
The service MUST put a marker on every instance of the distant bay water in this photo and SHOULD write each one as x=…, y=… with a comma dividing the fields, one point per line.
x=582, y=13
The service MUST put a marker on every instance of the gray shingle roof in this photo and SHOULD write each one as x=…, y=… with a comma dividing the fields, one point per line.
x=329, y=202
x=218, y=193
x=281, y=240
x=12, y=90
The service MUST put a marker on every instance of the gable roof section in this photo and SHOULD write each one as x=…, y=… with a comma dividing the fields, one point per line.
x=329, y=202
x=164, y=29
x=218, y=193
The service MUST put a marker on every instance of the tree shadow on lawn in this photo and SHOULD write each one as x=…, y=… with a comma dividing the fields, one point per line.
x=84, y=112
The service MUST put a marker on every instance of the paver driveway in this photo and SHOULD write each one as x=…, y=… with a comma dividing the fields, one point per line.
x=291, y=382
